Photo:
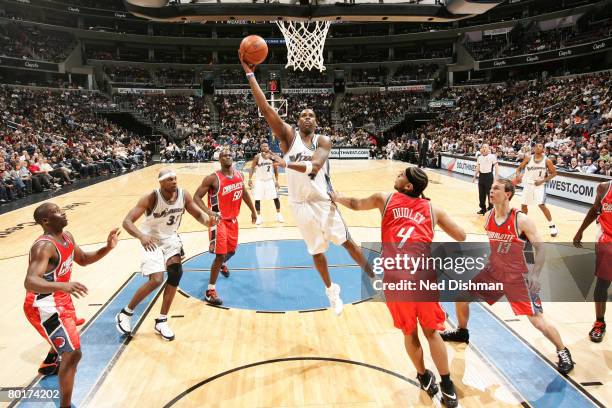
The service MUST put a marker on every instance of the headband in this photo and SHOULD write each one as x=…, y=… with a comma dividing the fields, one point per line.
x=166, y=176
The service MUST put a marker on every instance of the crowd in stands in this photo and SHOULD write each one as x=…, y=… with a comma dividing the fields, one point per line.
x=129, y=74
x=571, y=116
x=21, y=41
x=379, y=108
x=520, y=42
x=184, y=114
x=50, y=139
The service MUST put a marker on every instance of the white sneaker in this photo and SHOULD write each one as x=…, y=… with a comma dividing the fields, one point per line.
x=279, y=217
x=259, y=220
x=553, y=231
x=123, y=322
x=161, y=326
x=333, y=294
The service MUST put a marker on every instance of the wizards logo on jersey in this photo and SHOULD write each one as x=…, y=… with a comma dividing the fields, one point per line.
x=300, y=157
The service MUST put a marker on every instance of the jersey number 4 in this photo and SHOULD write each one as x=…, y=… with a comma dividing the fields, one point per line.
x=404, y=234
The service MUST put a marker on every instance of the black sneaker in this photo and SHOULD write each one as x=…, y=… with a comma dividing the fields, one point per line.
x=449, y=396
x=598, y=332
x=458, y=335
x=428, y=383
x=482, y=212
x=565, y=364
x=224, y=271
x=50, y=366
x=212, y=298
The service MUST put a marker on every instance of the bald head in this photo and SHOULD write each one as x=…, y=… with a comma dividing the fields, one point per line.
x=42, y=212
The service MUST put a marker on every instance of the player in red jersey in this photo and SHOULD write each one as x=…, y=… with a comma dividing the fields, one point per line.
x=508, y=230
x=225, y=189
x=409, y=218
x=48, y=305
x=603, y=251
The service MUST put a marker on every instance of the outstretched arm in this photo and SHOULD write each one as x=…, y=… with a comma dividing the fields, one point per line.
x=280, y=128
x=448, y=225
x=85, y=258
x=376, y=200
x=197, y=213
x=591, y=215
x=522, y=166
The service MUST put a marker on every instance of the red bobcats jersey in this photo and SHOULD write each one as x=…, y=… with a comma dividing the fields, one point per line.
x=507, y=258
x=605, y=217
x=228, y=198
x=407, y=219
x=61, y=273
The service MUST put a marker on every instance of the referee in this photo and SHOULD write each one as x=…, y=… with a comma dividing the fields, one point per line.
x=484, y=171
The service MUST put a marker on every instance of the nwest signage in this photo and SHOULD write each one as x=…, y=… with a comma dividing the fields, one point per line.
x=577, y=50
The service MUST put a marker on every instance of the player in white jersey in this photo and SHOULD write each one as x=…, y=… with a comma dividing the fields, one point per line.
x=266, y=182
x=161, y=246
x=538, y=170
x=306, y=159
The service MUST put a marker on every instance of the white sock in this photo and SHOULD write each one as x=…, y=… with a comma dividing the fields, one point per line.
x=211, y=287
x=127, y=309
x=162, y=316
x=551, y=223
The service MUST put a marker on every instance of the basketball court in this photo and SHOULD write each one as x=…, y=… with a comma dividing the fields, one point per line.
x=274, y=343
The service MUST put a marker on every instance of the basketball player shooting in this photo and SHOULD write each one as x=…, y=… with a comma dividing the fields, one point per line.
x=306, y=160
x=48, y=305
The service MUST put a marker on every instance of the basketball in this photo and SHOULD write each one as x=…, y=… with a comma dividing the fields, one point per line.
x=254, y=49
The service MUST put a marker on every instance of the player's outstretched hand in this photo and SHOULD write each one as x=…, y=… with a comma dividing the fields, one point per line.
x=248, y=68
x=253, y=217
x=148, y=243
x=76, y=289
x=578, y=240
x=113, y=238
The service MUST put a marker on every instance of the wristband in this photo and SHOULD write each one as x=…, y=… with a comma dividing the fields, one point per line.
x=308, y=167
x=250, y=74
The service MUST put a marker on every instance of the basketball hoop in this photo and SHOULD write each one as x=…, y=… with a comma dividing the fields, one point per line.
x=304, y=41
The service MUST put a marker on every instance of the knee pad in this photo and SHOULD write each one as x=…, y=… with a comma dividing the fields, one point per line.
x=175, y=272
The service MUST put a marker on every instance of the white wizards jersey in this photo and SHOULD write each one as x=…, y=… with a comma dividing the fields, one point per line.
x=164, y=220
x=535, y=170
x=265, y=169
x=301, y=187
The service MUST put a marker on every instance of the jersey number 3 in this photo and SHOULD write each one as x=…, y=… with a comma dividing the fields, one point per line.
x=172, y=219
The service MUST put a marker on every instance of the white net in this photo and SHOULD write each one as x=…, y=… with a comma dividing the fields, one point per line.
x=304, y=41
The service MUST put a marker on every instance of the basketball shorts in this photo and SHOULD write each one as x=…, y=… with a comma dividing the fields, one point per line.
x=57, y=325
x=603, y=260
x=534, y=195
x=319, y=223
x=155, y=261
x=224, y=237
x=406, y=315
x=522, y=301
x=264, y=190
